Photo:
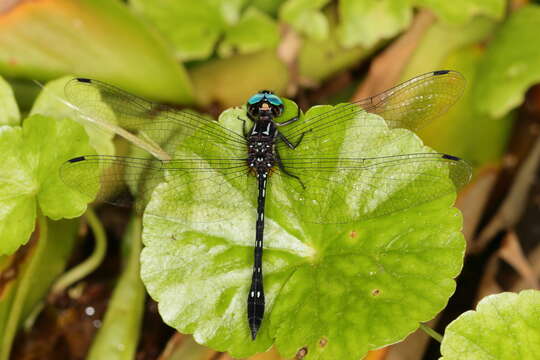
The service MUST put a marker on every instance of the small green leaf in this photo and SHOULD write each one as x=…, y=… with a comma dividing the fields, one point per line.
x=339, y=290
x=255, y=31
x=191, y=27
x=305, y=16
x=48, y=144
x=204, y=23
x=268, y=6
x=319, y=59
x=52, y=102
x=511, y=63
x=366, y=22
x=17, y=192
x=9, y=111
x=92, y=38
x=30, y=173
x=461, y=11
x=504, y=327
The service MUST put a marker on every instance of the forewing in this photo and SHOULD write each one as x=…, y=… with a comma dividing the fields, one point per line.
x=342, y=190
x=162, y=126
x=410, y=105
x=197, y=182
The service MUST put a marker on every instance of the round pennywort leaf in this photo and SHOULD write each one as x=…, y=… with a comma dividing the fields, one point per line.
x=335, y=291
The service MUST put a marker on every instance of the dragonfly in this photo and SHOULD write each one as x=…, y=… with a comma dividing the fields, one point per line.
x=299, y=151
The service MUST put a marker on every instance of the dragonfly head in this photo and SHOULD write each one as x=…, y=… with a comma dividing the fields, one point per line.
x=265, y=103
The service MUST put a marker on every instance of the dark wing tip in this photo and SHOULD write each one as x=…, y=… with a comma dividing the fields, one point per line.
x=84, y=80
x=441, y=72
x=450, y=157
x=460, y=170
x=452, y=73
x=77, y=159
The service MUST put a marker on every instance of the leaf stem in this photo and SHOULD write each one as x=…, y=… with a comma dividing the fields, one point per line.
x=435, y=335
x=122, y=321
x=92, y=262
x=22, y=289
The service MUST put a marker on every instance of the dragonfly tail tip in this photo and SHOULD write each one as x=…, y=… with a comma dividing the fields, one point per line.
x=254, y=331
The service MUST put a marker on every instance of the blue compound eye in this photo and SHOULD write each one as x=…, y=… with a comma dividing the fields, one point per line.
x=274, y=100
x=255, y=99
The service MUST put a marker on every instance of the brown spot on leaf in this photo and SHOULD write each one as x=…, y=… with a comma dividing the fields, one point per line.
x=323, y=342
x=300, y=354
x=375, y=292
x=353, y=234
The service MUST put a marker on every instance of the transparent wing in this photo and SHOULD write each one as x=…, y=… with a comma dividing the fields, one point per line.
x=161, y=125
x=194, y=184
x=341, y=190
x=410, y=105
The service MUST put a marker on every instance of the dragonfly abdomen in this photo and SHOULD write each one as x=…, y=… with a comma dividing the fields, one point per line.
x=255, y=302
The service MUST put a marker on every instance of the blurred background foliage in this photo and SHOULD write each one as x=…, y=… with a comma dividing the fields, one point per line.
x=213, y=54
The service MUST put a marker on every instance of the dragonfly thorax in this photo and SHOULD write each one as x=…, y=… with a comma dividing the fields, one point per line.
x=261, y=157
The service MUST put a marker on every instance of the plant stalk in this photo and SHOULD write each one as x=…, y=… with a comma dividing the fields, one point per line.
x=92, y=262
x=435, y=335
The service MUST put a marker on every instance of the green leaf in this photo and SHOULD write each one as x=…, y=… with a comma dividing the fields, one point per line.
x=204, y=23
x=319, y=59
x=255, y=31
x=52, y=102
x=30, y=175
x=461, y=11
x=504, y=326
x=305, y=16
x=268, y=6
x=366, y=22
x=9, y=111
x=511, y=63
x=191, y=27
x=17, y=188
x=339, y=290
x=92, y=38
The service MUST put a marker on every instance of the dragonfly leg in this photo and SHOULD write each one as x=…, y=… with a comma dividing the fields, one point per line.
x=289, y=143
x=290, y=121
x=286, y=172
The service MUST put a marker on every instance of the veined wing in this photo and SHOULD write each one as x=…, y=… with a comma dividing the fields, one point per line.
x=195, y=182
x=341, y=190
x=164, y=127
x=410, y=105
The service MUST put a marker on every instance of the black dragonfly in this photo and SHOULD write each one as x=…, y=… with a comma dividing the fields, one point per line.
x=300, y=152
